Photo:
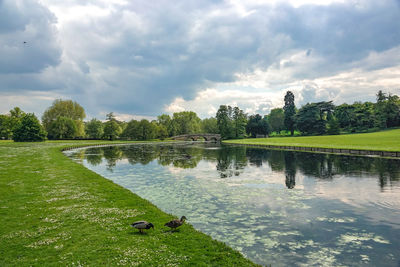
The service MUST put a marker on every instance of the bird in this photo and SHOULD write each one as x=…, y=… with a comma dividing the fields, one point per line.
x=175, y=223
x=141, y=225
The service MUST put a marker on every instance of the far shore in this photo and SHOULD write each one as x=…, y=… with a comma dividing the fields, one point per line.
x=384, y=143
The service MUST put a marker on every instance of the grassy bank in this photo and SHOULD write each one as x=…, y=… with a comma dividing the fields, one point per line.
x=56, y=212
x=382, y=141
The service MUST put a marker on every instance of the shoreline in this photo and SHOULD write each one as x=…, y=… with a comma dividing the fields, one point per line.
x=337, y=151
x=54, y=207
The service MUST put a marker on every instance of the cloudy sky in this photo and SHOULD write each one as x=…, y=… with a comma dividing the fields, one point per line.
x=143, y=58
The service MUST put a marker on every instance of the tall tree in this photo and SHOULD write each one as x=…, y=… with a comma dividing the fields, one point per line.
x=67, y=109
x=290, y=112
x=239, y=119
x=112, y=130
x=224, y=121
x=29, y=129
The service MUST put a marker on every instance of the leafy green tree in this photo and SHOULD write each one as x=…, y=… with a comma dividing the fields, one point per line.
x=131, y=131
x=67, y=109
x=166, y=121
x=112, y=130
x=290, y=112
x=162, y=131
x=387, y=110
x=6, y=128
x=146, y=130
x=186, y=122
x=333, y=126
x=239, y=119
x=276, y=119
x=94, y=129
x=308, y=120
x=210, y=125
x=357, y=117
x=224, y=121
x=29, y=129
x=62, y=128
x=257, y=125
x=312, y=118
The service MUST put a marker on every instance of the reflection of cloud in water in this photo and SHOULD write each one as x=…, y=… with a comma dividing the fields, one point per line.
x=323, y=221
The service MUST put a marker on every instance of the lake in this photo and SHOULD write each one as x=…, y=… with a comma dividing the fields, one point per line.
x=283, y=208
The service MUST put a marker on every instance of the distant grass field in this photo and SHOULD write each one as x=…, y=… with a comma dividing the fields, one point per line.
x=55, y=212
x=385, y=141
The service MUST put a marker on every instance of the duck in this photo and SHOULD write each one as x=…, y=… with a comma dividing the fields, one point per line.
x=175, y=223
x=141, y=225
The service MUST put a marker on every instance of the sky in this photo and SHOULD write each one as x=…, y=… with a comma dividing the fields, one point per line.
x=140, y=59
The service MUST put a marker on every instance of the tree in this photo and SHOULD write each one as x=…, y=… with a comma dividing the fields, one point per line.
x=94, y=129
x=209, y=125
x=276, y=119
x=333, y=126
x=112, y=130
x=146, y=130
x=166, y=121
x=62, y=128
x=387, y=110
x=312, y=118
x=224, y=121
x=257, y=125
x=6, y=130
x=308, y=121
x=67, y=109
x=239, y=122
x=29, y=130
x=186, y=122
x=131, y=130
x=162, y=131
x=290, y=112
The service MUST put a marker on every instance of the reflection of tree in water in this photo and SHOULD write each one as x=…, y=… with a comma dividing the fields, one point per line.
x=389, y=171
x=256, y=157
x=290, y=170
x=180, y=156
x=94, y=156
x=276, y=160
x=316, y=164
x=143, y=154
x=112, y=154
x=231, y=161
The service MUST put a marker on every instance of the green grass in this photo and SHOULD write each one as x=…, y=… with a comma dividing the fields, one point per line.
x=55, y=212
x=384, y=141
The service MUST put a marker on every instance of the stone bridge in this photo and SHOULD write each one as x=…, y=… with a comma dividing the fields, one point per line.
x=195, y=137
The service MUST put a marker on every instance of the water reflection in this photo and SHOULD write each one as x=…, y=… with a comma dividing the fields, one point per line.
x=232, y=160
x=276, y=207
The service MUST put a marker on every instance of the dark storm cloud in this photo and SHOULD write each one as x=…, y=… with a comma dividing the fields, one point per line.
x=27, y=38
x=143, y=54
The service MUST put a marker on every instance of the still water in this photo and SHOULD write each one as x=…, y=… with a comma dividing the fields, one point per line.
x=276, y=207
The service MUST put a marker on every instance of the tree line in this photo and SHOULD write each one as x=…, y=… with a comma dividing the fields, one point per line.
x=64, y=119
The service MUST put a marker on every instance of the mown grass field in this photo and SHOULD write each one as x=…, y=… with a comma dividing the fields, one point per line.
x=383, y=141
x=54, y=212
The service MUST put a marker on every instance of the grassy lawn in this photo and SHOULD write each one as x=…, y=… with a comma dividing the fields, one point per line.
x=56, y=212
x=384, y=141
